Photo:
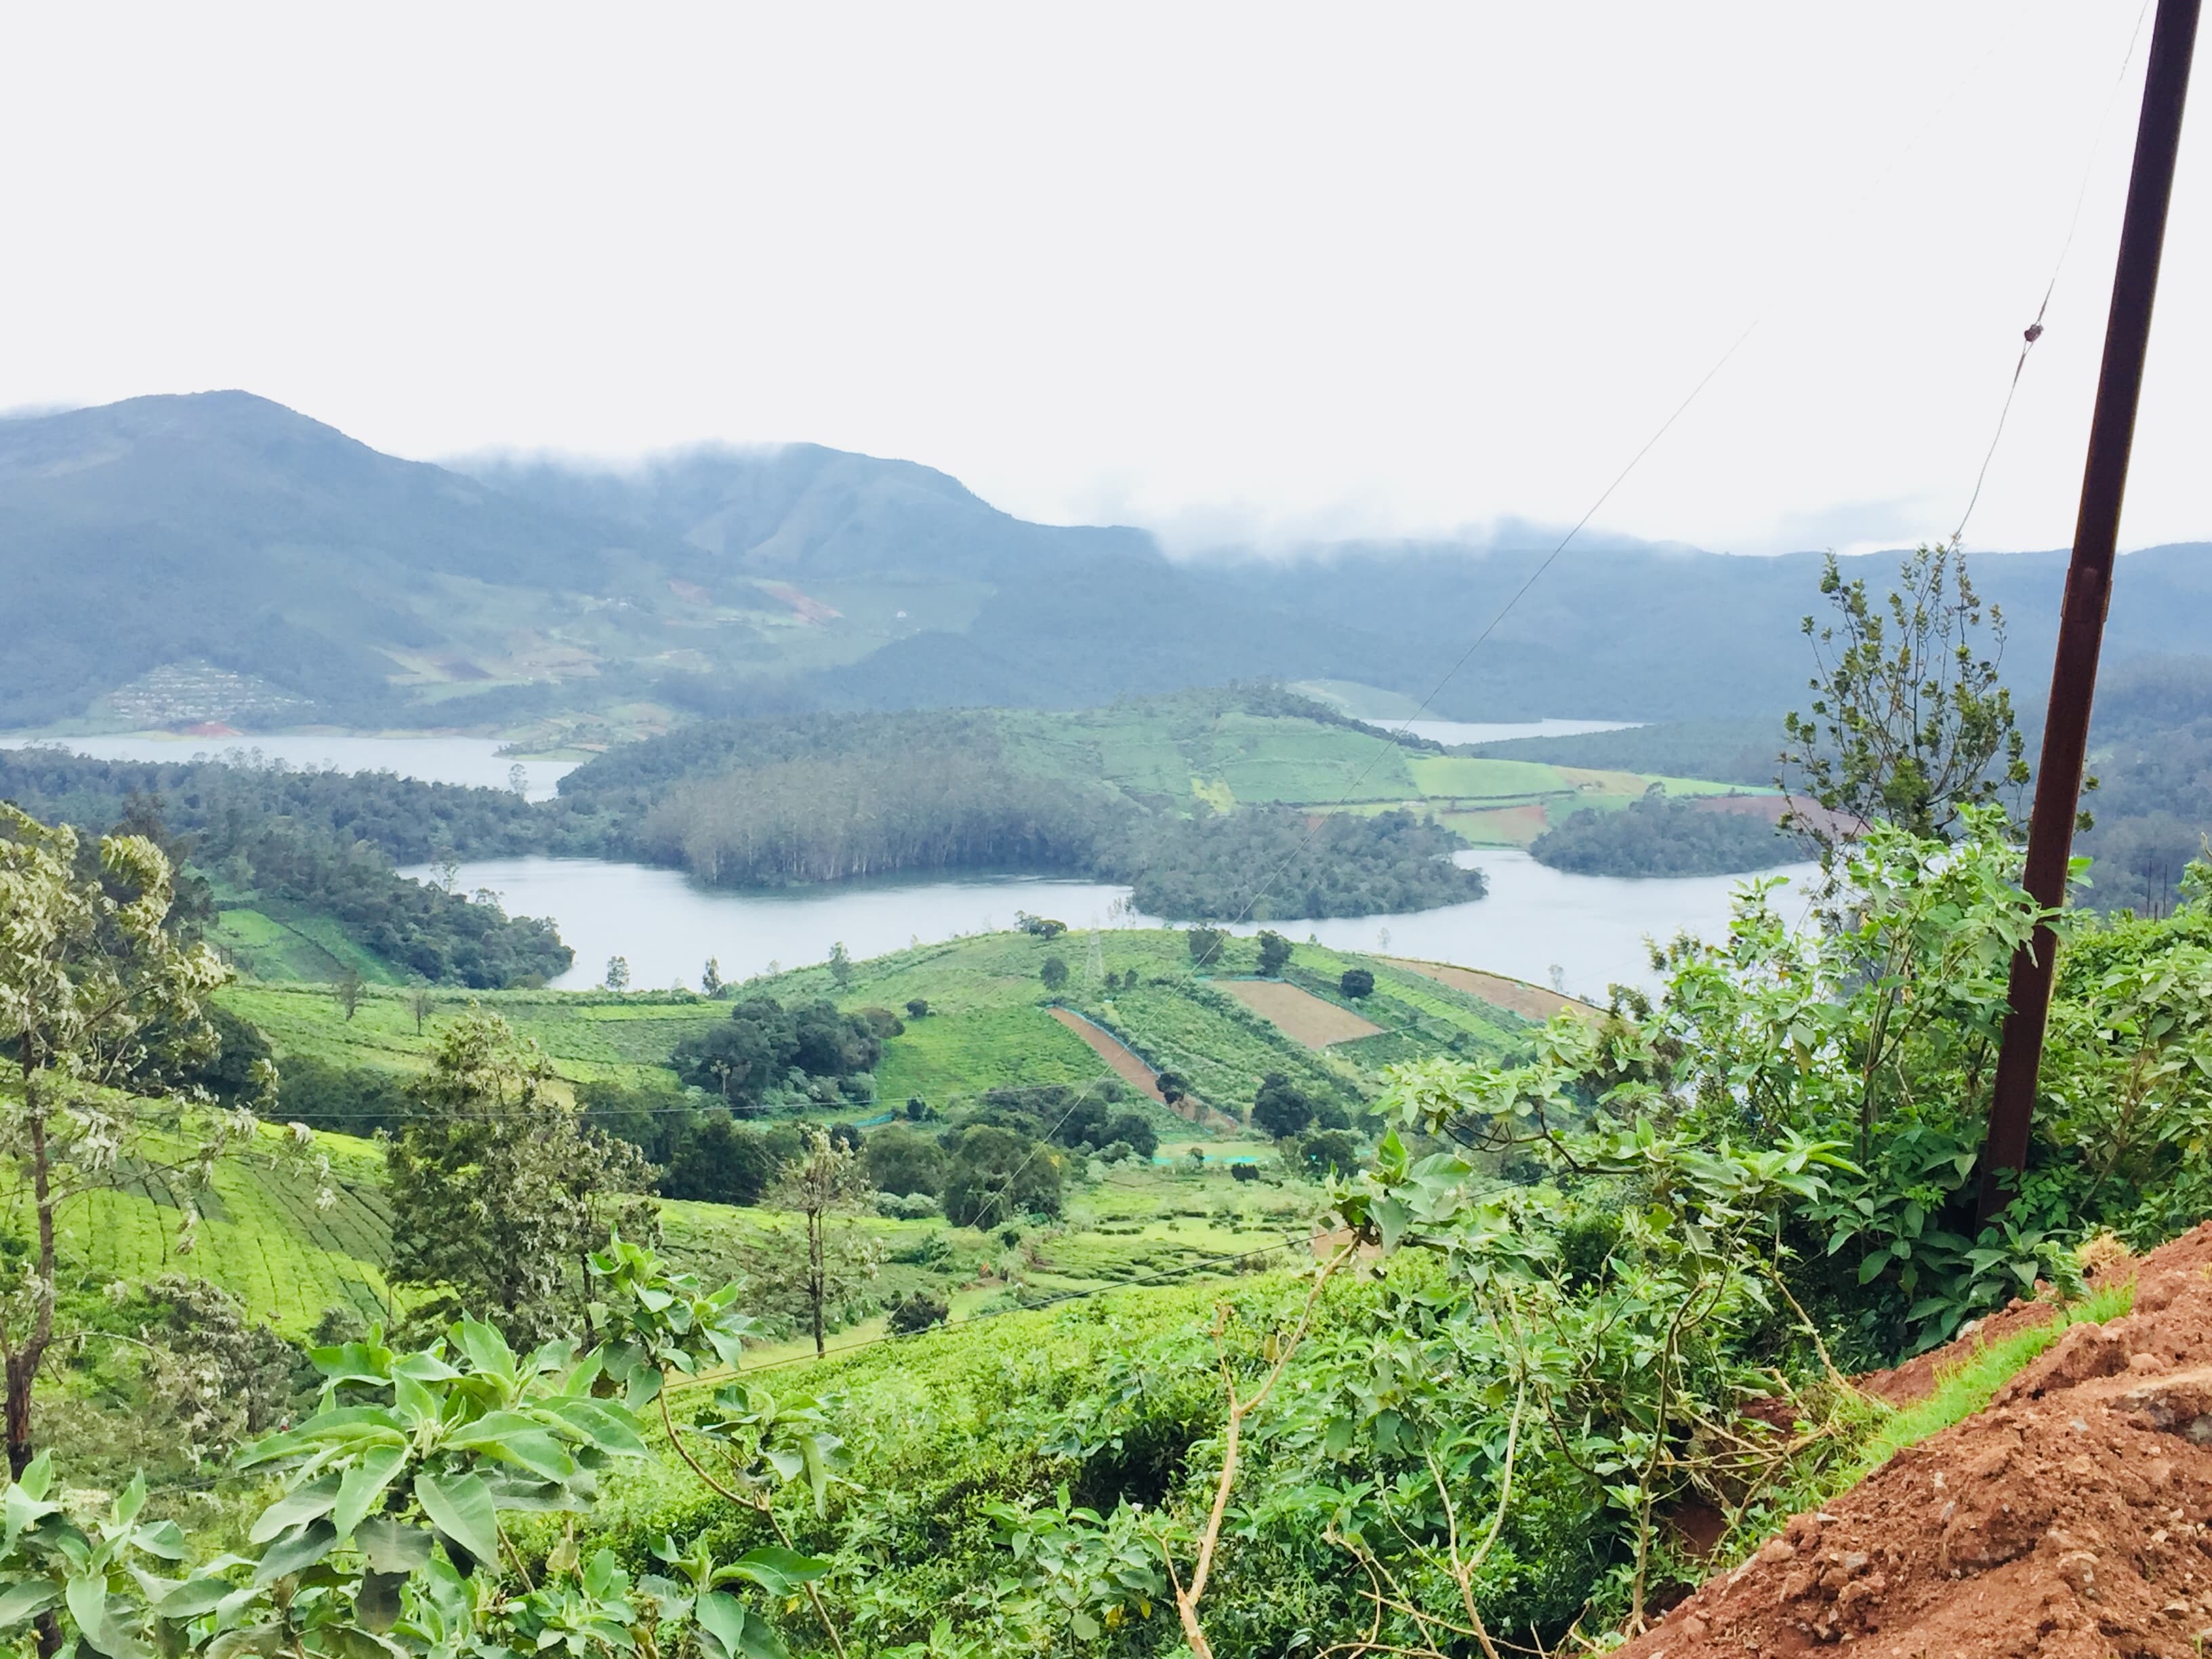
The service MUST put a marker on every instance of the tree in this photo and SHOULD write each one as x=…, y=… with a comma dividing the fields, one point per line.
x=997, y=1174
x=501, y=1192
x=916, y=1311
x=826, y=1179
x=420, y=1006
x=1171, y=1085
x=617, y=977
x=752, y=1054
x=1205, y=946
x=1908, y=723
x=719, y=1162
x=1053, y=973
x=917, y=1008
x=710, y=977
x=1280, y=1108
x=1134, y=1130
x=348, y=988
x=1357, y=982
x=840, y=964
x=1328, y=1151
x=100, y=1008
x=1274, y=954
x=901, y=1161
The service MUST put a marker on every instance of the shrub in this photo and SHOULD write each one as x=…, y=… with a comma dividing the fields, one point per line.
x=903, y=1162
x=917, y=1311
x=1279, y=1109
x=1357, y=982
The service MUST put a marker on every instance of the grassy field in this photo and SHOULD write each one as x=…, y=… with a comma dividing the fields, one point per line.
x=1173, y=752
x=261, y=1233
x=986, y=1025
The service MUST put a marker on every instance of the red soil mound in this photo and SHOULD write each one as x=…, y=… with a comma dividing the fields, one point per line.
x=2073, y=1518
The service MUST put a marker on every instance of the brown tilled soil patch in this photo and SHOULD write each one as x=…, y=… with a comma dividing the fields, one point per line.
x=2073, y=1518
x=1514, y=995
x=1303, y=1016
x=1120, y=1060
x=1125, y=1065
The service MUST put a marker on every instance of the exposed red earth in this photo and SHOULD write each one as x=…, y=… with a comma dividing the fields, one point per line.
x=2069, y=1518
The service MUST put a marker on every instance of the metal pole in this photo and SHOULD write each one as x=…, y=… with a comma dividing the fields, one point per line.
x=2088, y=589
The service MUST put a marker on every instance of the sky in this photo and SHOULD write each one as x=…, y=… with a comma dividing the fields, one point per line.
x=1261, y=274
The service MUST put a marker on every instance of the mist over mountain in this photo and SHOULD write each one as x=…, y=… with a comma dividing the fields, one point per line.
x=218, y=556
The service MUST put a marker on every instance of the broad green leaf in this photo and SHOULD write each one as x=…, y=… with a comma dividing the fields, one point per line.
x=777, y=1570
x=486, y=1348
x=740, y=1634
x=604, y=1424
x=297, y=1551
x=162, y=1539
x=378, y=1605
x=310, y=1500
x=87, y=1595
x=201, y=1592
x=25, y=1600
x=37, y=1478
x=534, y=1449
x=391, y=1546
x=460, y=1507
x=364, y=1485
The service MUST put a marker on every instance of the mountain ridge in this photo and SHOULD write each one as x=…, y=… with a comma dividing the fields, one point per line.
x=224, y=529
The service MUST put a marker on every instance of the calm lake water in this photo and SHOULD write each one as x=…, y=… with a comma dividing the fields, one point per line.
x=432, y=760
x=1592, y=928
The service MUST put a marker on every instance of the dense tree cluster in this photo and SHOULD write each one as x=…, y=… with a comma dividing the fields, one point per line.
x=997, y=1175
x=1268, y=861
x=324, y=841
x=1662, y=836
x=838, y=817
x=766, y=1055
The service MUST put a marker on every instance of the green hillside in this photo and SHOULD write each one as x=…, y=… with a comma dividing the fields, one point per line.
x=262, y=1235
x=987, y=1024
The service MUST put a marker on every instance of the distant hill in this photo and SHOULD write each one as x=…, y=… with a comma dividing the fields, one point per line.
x=217, y=556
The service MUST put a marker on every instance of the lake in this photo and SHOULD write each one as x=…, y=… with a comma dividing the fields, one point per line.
x=1590, y=928
x=431, y=760
x=477, y=760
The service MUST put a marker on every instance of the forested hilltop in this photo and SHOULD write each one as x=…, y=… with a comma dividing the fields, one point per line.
x=294, y=871
x=2150, y=753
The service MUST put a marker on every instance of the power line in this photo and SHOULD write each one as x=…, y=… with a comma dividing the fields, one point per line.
x=2034, y=330
x=1312, y=831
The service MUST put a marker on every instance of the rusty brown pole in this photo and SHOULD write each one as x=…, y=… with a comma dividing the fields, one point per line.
x=2088, y=589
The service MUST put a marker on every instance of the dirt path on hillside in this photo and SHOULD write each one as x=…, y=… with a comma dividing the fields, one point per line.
x=1120, y=1059
x=2073, y=1518
x=1124, y=1063
x=1516, y=996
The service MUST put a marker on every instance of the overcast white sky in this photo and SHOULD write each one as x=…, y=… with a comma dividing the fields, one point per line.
x=1223, y=270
